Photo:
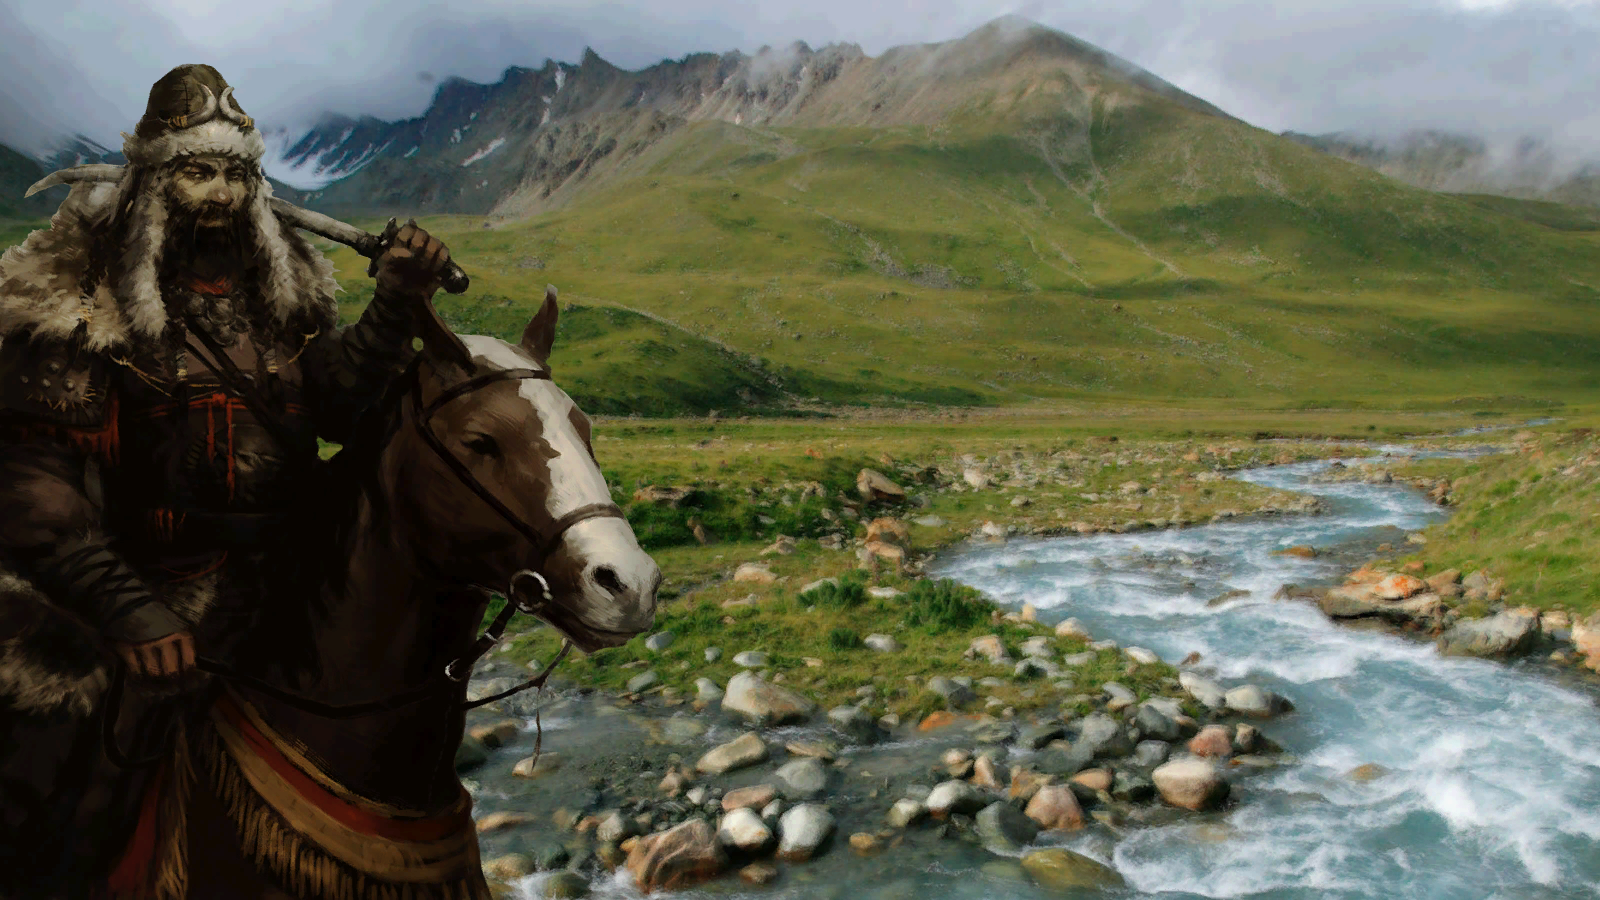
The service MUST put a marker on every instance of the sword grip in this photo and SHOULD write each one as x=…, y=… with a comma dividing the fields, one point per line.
x=452, y=278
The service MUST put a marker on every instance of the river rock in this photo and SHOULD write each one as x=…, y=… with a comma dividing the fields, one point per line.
x=956, y=694
x=1055, y=808
x=1149, y=754
x=875, y=487
x=802, y=779
x=803, y=830
x=1033, y=737
x=763, y=703
x=659, y=641
x=906, y=812
x=989, y=647
x=614, y=827
x=470, y=754
x=1131, y=787
x=677, y=858
x=707, y=691
x=1063, y=870
x=537, y=766
x=1064, y=761
x=1352, y=601
x=1399, y=587
x=882, y=643
x=565, y=886
x=1192, y=783
x=1156, y=724
x=990, y=774
x=1586, y=640
x=743, y=830
x=857, y=724
x=1004, y=829
x=1208, y=692
x=1212, y=741
x=754, y=573
x=954, y=798
x=496, y=734
x=1038, y=647
x=500, y=821
x=1102, y=736
x=754, y=797
x=644, y=681
x=1142, y=656
x=1251, y=700
x=1506, y=633
x=745, y=750
x=509, y=867
x=759, y=873
x=1071, y=628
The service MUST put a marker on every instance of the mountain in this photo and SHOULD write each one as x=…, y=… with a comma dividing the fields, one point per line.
x=1008, y=218
x=1464, y=164
x=17, y=172
x=540, y=137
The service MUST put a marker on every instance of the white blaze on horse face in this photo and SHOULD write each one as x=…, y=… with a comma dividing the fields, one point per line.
x=616, y=579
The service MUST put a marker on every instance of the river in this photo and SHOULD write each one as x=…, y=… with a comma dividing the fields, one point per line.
x=1492, y=773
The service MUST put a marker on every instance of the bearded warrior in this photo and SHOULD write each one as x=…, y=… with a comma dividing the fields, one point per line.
x=169, y=357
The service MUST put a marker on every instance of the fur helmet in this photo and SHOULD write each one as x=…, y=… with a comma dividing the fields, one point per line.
x=192, y=112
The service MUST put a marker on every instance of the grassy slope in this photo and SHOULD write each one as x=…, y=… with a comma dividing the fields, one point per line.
x=952, y=265
x=1531, y=517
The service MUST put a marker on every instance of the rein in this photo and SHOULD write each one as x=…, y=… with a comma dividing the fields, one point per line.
x=457, y=670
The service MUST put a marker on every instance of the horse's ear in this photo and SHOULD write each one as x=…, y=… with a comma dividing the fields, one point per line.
x=540, y=334
x=439, y=343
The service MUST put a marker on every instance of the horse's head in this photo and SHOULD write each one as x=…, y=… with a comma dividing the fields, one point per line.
x=499, y=462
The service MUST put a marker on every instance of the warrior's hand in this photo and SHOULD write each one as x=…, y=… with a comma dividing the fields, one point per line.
x=166, y=657
x=413, y=265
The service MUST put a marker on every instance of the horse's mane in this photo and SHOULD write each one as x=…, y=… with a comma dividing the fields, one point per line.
x=316, y=560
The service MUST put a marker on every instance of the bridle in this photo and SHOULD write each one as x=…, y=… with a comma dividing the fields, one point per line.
x=457, y=670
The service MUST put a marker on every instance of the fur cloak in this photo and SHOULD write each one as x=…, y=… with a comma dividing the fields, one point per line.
x=51, y=661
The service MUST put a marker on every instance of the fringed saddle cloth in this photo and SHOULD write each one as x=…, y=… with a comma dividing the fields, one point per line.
x=312, y=836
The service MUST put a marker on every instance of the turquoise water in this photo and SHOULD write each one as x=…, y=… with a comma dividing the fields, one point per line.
x=1494, y=773
x=1493, y=784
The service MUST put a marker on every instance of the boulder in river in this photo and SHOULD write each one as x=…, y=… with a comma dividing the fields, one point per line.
x=678, y=857
x=802, y=779
x=1192, y=783
x=745, y=750
x=1506, y=633
x=1004, y=829
x=955, y=798
x=1251, y=700
x=1064, y=870
x=1208, y=692
x=763, y=703
x=1055, y=808
x=743, y=830
x=803, y=831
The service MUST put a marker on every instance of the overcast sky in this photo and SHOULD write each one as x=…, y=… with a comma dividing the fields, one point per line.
x=1494, y=67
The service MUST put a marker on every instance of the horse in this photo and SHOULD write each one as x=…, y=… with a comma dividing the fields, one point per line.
x=474, y=474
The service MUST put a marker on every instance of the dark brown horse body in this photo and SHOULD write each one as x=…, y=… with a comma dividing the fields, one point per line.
x=279, y=800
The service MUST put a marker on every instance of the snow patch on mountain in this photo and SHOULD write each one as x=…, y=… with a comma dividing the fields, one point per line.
x=487, y=149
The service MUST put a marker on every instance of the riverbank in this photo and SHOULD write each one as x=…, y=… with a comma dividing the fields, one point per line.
x=1013, y=727
x=1512, y=571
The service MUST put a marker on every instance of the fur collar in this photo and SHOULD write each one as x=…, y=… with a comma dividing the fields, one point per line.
x=41, y=280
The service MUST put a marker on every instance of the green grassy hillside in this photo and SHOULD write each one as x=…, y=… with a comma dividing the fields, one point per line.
x=1141, y=251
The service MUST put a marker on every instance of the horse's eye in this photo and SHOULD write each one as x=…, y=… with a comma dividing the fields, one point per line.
x=482, y=444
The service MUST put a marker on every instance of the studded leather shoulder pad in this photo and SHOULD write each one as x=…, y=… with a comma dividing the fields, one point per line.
x=44, y=381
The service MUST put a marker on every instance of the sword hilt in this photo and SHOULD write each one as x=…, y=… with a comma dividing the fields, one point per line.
x=451, y=278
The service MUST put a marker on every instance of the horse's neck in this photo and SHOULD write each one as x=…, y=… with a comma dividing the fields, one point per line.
x=385, y=630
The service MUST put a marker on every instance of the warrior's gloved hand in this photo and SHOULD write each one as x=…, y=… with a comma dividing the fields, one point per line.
x=166, y=657
x=413, y=264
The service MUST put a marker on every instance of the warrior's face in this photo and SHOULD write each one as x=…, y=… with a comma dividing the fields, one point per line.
x=210, y=189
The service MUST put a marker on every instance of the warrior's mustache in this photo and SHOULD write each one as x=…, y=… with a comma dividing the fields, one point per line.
x=186, y=235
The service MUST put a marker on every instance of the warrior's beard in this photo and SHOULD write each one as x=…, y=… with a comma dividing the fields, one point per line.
x=213, y=248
